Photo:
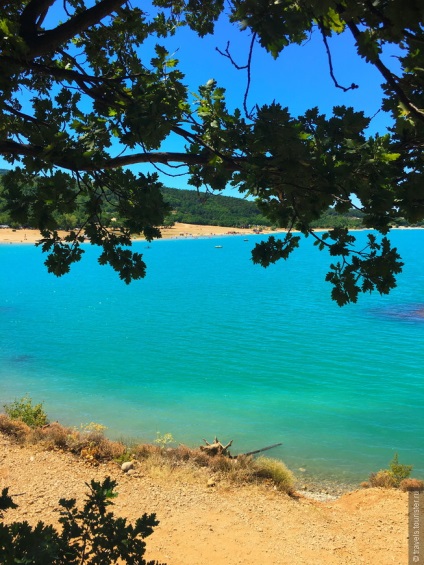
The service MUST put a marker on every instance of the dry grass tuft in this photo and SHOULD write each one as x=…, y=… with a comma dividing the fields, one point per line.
x=145, y=451
x=183, y=453
x=92, y=446
x=53, y=436
x=411, y=484
x=277, y=472
x=382, y=479
x=14, y=428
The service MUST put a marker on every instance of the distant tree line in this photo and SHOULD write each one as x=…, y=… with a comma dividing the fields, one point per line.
x=194, y=207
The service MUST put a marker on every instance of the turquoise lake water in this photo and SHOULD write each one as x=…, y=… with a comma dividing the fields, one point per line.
x=210, y=344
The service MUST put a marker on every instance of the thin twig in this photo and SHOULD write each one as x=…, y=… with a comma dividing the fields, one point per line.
x=353, y=86
x=247, y=67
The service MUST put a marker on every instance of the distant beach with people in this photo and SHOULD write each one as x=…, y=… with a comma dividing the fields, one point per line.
x=177, y=231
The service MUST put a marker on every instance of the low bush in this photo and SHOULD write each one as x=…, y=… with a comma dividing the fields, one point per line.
x=91, y=446
x=382, y=479
x=392, y=477
x=22, y=409
x=16, y=429
x=411, y=484
x=277, y=472
x=53, y=436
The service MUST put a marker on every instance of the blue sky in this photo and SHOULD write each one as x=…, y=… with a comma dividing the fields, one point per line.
x=298, y=79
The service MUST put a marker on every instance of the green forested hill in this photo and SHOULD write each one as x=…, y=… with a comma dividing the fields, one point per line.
x=188, y=206
x=191, y=207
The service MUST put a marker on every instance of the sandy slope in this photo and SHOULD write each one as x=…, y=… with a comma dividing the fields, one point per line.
x=202, y=525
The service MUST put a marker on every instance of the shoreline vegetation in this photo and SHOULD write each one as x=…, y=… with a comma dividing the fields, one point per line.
x=210, y=509
x=28, y=424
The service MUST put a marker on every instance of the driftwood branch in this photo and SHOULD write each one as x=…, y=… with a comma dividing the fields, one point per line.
x=216, y=448
x=260, y=450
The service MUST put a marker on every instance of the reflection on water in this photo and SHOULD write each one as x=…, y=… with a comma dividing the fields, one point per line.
x=21, y=358
x=406, y=312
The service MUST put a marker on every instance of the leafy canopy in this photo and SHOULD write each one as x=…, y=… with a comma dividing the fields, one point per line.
x=80, y=101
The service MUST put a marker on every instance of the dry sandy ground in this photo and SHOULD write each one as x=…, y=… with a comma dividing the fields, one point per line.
x=201, y=525
x=190, y=230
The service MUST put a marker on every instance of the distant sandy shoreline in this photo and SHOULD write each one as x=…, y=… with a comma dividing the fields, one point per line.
x=178, y=231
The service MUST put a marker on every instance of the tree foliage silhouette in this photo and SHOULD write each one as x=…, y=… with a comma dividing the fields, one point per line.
x=88, y=536
x=79, y=103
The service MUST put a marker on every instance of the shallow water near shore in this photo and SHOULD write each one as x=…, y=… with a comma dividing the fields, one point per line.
x=210, y=344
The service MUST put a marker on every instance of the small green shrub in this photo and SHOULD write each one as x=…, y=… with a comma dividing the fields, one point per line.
x=22, y=409
x=14, y=428
x=398, y=471
x=87, y=537
x=164, y=439
x=124, y=457
x=391, y=477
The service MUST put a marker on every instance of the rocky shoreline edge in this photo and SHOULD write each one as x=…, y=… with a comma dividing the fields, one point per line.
x=318, y=488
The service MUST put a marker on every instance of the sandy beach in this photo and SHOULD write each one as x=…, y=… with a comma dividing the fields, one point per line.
x=193, y=231
x=178, y=231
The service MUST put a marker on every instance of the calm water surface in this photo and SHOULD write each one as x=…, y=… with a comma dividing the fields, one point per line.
x=209, y=344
